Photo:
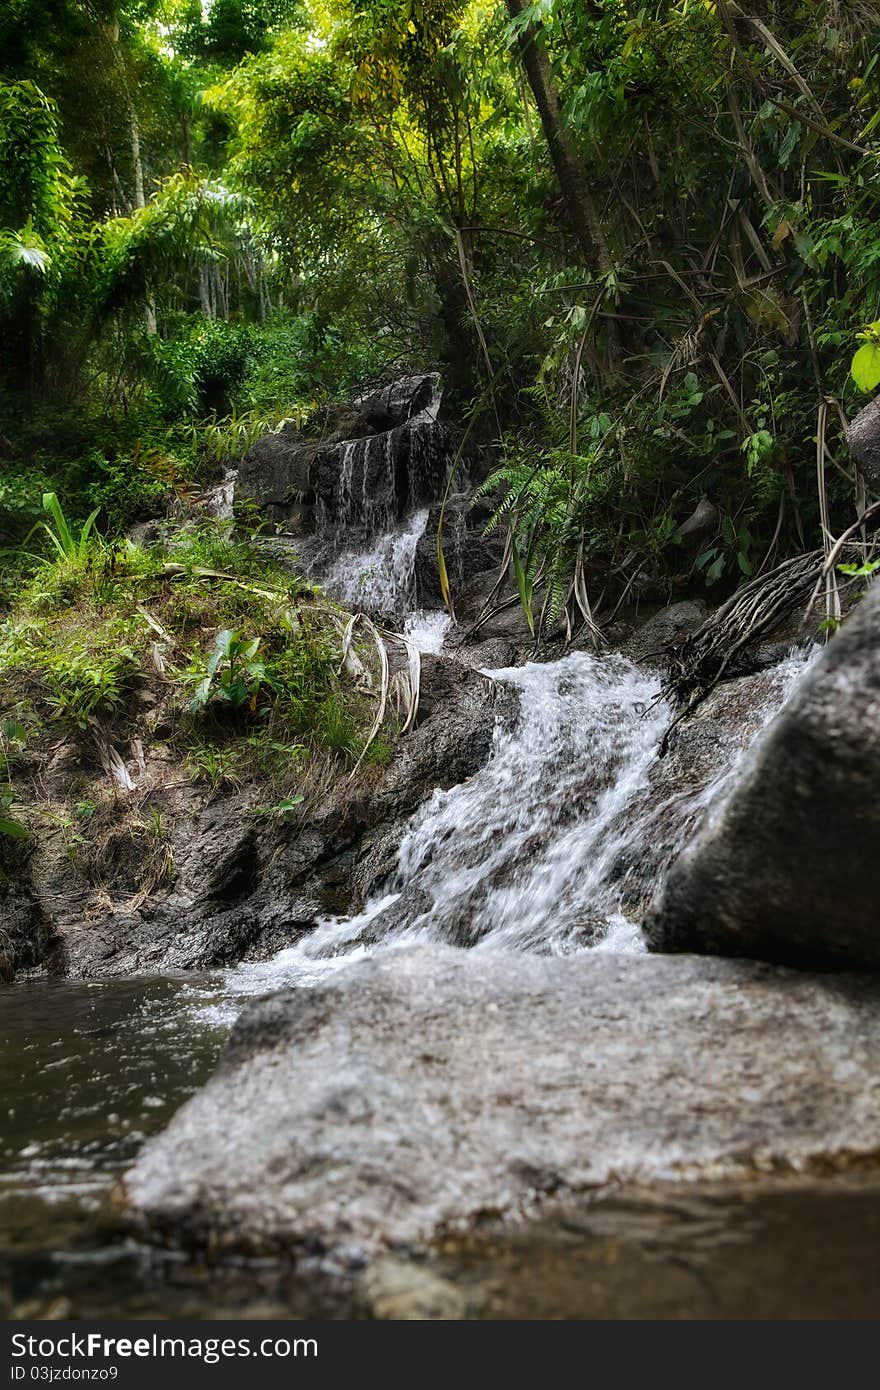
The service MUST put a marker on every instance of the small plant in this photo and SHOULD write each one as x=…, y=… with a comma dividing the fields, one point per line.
x=9, y=826
x=334, y=727
x=281, y=808
x=232, y=675
x=67, y=545
x=865, y=570
x=217, y=765
x=83, y=683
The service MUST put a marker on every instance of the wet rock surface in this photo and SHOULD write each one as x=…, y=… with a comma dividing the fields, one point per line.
x=779, y=871
x=704, y=756
x=417, y=1097
x=467, y=551
x=236, y=884
x=384, y=453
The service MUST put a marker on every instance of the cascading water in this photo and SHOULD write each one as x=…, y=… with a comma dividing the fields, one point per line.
x=534, y=852
x=380, y=579
x=516, y=855
x=372, y=507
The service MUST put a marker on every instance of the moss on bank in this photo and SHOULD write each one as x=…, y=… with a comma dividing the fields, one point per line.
x=204, y=644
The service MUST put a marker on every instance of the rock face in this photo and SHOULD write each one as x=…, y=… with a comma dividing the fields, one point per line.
x=24, y=928
x=703, y=760
x=235, y=884
x=779, y=872
x=863, y=437
x=373, y=462
x=428, y=1091
x=466, y=550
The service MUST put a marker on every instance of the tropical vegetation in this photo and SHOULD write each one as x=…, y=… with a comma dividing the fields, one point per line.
x=638, y=240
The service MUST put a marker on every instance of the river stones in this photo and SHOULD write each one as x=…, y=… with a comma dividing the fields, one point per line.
x=418, y=1095
x=781, y=871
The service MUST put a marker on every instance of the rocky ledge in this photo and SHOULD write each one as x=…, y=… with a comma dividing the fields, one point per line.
x=239, y=884
x=416, y=1099
x=779, y=871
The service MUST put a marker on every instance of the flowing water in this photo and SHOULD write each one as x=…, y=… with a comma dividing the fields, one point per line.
x=524, y=856
x=534, y=853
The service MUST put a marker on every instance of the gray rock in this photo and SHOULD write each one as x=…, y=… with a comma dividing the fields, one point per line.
x=400, y=401
x=782, y=870
x=650, y=640
x=293, y=477
x=863, y=437
x=466, y=550
x=397, y=1289
x=276, y=477
x=243, y=886
x=704, y=755
x=428, y=1090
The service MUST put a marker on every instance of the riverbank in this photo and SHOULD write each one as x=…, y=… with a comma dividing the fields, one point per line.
x=455, y=1083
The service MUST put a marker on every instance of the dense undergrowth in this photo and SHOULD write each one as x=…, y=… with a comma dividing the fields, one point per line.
x=200, y=645
x=639, y=241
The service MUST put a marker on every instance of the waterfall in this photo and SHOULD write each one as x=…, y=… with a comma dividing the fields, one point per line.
x=516, y=856
x=537, y=851
x=372, y=496
x=381, y=577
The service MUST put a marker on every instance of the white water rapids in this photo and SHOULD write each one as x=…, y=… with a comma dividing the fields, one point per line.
x=533, y=853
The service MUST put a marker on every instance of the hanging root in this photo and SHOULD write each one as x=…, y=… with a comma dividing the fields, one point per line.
x=717, y=648
x=756, y=610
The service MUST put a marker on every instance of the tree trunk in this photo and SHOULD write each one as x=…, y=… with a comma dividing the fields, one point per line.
x=457, y=351
x=571, y=174
x=140, y=200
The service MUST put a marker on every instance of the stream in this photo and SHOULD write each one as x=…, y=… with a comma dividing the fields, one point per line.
x=530, y=854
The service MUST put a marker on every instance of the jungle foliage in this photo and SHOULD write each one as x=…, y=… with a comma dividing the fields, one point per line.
x=639, y=240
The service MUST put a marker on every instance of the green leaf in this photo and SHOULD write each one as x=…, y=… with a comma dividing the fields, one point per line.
x=14, y=829
x=202, y=694
x=865, y=369
x=863, y=571
x=524, y=587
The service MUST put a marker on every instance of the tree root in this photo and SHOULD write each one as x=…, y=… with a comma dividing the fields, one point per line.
x=708, y=655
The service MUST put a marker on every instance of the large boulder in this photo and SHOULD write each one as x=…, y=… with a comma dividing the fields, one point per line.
x=781, y=870
x=863, y=438
x=384, y=453
x=703, y=759
x=275, y=477
x=413, y=1101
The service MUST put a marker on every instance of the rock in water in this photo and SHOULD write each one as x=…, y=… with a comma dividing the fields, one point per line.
x=429, y=1090
x=782, y=870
